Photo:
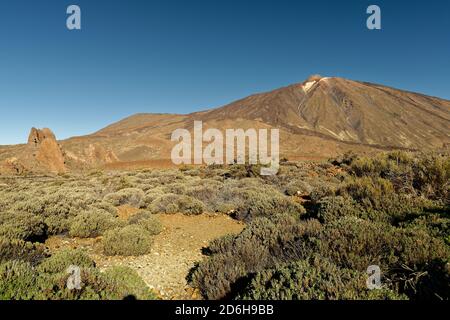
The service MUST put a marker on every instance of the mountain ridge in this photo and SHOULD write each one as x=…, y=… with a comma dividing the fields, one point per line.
x=318, y=118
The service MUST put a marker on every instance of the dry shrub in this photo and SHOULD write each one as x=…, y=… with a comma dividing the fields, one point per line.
x=91, y=224
x=132, y=240
x=173, y=203
x=131, y=196
x=148, y=221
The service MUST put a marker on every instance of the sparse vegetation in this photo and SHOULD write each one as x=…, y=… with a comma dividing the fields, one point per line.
x=311, y=231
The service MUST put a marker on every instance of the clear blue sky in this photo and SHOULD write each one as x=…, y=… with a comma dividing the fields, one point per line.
x=182, y=56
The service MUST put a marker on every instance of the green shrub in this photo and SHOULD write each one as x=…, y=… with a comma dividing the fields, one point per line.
x=432, y=176
x=11, y=249
x=57, y=225
x=153, y=194
x=20, y=281
x=334, y=208
x=355, y=244
x=62, y=260
x=370, y=192
x=321, y=191
x=190, y=206
x=312, y=279
x=24, y=226
x=17, y=281
x=261, y=245
x=412, y=260
x=91, y=224
x=127, y=283
x=132, y=240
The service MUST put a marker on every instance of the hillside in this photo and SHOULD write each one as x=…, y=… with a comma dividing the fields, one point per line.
x=318, y=118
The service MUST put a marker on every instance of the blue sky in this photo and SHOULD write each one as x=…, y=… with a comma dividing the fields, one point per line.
x=182, y=56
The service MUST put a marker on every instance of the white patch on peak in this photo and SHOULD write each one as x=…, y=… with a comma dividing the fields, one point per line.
x=308, y=85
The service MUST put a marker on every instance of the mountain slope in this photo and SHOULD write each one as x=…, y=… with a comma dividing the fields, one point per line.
x=349, y=111
x=319, y=118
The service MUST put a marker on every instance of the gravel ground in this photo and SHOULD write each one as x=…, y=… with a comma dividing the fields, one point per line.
x=174, y=251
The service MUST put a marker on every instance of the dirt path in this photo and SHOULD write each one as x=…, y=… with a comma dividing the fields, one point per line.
x=174, y=251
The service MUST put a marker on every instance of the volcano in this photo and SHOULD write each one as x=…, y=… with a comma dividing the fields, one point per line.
x=318, y=118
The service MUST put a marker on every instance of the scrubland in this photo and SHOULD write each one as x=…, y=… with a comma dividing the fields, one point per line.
x=310, y=232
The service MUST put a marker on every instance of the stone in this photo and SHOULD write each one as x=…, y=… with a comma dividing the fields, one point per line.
x=46, y=150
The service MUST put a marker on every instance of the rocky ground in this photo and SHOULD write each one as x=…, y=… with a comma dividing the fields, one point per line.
x=174, y=252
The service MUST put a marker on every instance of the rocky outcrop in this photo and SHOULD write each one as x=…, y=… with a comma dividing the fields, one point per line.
x=12, y=166
x=46, y=150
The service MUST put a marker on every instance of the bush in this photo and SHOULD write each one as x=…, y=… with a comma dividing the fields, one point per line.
x=17, y=281
x=132, y=240
x=11, y=249
x=412, y=260
x=62, y=260
x=355, y=244
x=148, y=221
x=20, y=281
x=312, y=279
x=261, y=245
x=91, y=224
x=153, y=194
x=298, y=186
x=321, y=191
x=131, y=196
x=334, y=208
x=127, y=283
x=23, y=226
x=259, y=203
x=172, y=203
x=370, y=192
x=432, y=176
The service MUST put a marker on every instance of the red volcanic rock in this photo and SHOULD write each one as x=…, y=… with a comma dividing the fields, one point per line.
x=48, y=153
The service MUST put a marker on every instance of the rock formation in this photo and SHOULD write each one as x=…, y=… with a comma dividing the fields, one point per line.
x=46, y=150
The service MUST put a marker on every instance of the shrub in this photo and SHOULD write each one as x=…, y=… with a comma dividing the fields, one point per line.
x=24, y=226
x=298, y=186
x=312, y=279
x=334, y=208
x=432, y=176
x=48, y=280
x=206, y=191
x=354, y=243
x=57, y=225
x=127, y=283
x=259, y=203
x=321, y=191
x=261, y=245
x=11, y=249
x=62, y=260
x=91, y=224
x=148, y=221
x=17, y=281
x=131, y=196
x=410, y=258
x=370, y=192
x=191, y=206
x=153, y=194
x=132, y=240
x=172, y=203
